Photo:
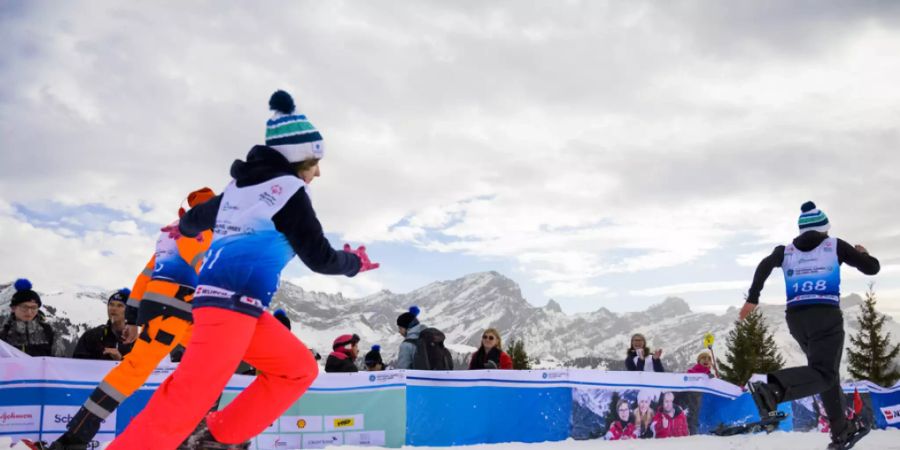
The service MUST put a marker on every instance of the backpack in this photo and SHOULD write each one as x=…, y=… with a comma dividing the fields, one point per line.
x=430, y=351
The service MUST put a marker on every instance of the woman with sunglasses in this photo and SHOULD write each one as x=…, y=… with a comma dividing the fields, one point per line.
x=490, y=354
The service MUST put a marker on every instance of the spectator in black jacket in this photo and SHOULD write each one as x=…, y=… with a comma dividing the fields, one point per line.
x=637, y=354
x=105, y=341
x=346, y=349
x=25, y=327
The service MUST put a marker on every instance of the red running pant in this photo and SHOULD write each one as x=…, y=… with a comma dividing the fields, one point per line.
x=221, y=339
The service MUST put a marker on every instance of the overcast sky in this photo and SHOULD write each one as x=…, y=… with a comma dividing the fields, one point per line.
x=603, y=154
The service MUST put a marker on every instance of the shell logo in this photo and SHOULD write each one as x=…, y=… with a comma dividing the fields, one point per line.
x=301, y=424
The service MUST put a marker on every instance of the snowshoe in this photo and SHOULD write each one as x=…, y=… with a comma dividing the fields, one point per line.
x=856, y=430
x=767, y=424
x=41, y=445
x=202, y=439
x=766, y=396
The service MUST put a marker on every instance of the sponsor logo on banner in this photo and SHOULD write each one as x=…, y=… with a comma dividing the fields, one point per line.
x=381, y=378
x=278, y=442
x=891, y=414
x=339, y=423
x=322, y=440
x=375, y=438
x=58, y=417
x=19, y=418
x=695, y=378
x=301, y=423
x=553, y=375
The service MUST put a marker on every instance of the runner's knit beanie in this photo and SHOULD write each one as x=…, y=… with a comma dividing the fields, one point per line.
x=291, y=134
x=24, y=293
x=812, y=219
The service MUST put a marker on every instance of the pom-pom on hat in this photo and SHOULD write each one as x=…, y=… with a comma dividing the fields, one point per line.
x=119, y=296
x=197, y=197
x=374, y=356
x=291, y=134
x=24, y=293
x=812, y=219
x=408, y=319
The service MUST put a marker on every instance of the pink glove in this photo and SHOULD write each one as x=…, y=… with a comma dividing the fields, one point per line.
x=364, y=263
x=175, y=233
x=172, y=229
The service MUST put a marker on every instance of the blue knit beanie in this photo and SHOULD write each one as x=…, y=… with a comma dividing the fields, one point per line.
x=291, y=134
x=812, y=219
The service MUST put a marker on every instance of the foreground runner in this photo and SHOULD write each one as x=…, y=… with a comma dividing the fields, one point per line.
x=812, y=275
x=262, y=219
x=160, y=304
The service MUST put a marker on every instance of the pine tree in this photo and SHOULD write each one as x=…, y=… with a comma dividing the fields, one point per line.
x=750, y=348
x=519, y=357
x=871, y=354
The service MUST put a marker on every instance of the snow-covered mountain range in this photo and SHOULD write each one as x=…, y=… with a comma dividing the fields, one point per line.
x=464, y=307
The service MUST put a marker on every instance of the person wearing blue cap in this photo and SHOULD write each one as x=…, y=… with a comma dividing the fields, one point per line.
x=106, y=341
x=812, y=277
x=25, y=327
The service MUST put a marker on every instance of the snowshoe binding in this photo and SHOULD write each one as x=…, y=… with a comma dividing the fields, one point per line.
x=855, y=430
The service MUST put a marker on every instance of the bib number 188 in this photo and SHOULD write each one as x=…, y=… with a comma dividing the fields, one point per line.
x=809, y=286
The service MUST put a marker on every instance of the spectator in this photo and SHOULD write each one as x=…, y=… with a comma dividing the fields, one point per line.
x=490, y=354
x=346, y=349
x=25, y=328
x=637, y=353
x=622, y=427
x=670, y=420
x=704, y=365
x=282, y=317
x=106, y=341
x=373, y=360
x=643, y=415
x=409, y=327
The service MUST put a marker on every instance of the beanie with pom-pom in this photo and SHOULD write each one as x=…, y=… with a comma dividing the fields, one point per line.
x=291, y=134
x=24, y=293
x=812, y=219
x=374, y=356
x=282, y=317
x=408, y=319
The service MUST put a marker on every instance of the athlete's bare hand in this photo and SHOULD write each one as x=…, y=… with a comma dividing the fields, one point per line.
x=746, y=310
x=130, y=334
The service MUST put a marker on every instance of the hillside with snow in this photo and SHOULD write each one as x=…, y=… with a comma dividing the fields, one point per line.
x=464, y=307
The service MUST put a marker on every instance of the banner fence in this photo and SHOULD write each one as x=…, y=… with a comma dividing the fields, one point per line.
x=38, y=396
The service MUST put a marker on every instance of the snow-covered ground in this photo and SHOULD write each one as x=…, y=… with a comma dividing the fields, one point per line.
x=876, y=440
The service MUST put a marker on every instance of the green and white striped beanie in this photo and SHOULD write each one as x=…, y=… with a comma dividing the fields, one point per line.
x=291, y=134
x=812, y=219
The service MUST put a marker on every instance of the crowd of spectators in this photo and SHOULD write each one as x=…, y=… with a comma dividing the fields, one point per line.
x=26, y=329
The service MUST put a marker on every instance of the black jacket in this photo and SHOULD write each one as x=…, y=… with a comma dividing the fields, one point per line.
x=339, y=362
x=296, y=220
x=807, y=241
x=34, y=338
x=92, y=343
x=638, y=366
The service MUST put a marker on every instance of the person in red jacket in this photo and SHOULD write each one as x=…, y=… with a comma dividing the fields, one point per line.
x=670, y=420
x=623, y=427
x=490, y=354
